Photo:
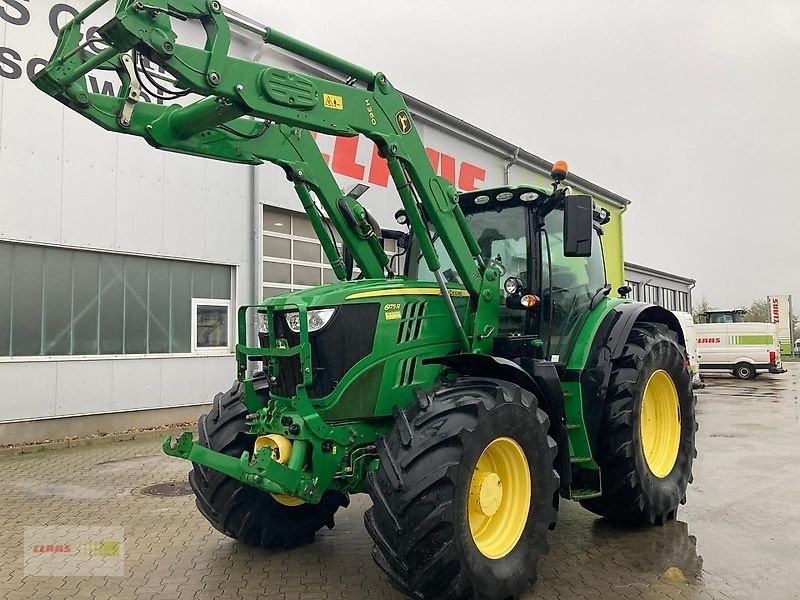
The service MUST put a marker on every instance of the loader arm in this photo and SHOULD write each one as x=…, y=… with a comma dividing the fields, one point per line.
x=252, y=112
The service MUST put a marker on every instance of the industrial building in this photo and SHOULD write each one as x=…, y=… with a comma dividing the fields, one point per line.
x=673, y=292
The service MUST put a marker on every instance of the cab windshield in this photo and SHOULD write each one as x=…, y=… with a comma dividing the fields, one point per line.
x=568, y=286
x=502, y=237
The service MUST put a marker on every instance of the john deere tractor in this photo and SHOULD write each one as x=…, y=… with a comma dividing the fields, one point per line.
x=466, y=385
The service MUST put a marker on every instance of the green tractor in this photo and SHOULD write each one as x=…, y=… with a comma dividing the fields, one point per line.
x=466, y=384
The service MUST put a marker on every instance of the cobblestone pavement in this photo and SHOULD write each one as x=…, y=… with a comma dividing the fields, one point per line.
x=738, y=537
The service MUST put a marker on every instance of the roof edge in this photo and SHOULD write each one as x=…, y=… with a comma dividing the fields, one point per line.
x=652, y=271
x=504, y=147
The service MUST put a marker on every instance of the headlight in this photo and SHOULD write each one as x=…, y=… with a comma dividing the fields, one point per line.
x=317, y=319
x=512, y=285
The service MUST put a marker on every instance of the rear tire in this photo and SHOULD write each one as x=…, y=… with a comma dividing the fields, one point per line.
x=433, y=519
x=638, y=490
x=744, y=370
x=240, y=511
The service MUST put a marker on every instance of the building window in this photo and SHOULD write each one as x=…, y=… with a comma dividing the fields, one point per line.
x=683, y=301
x=62, y=302
x=635, y=294
x=652, y=294
x=210, y=324
x=669, y=299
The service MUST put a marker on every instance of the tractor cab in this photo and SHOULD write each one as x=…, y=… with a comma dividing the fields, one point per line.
x=547, y=246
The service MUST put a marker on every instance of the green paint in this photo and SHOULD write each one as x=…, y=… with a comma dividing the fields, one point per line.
x=752, y=340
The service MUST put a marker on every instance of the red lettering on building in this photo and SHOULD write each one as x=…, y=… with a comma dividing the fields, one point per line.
x=344, y=162
x=344, y=158
x=378, y=169
x=433, y=156
x=469, y=176
x=448, y=168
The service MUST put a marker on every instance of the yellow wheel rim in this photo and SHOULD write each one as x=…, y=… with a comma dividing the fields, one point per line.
x=660, y=424
x=499, y=498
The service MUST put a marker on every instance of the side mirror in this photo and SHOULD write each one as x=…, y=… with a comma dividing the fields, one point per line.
x=577, y=225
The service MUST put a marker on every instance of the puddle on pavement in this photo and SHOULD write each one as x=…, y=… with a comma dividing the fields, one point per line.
x=669, y=552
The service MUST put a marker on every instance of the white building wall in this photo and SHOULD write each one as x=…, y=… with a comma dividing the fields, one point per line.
x=66, y=182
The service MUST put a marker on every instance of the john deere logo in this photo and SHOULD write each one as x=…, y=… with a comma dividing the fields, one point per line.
x=403, y=121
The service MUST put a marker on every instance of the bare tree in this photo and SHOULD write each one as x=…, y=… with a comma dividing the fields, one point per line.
x=758, y=312
x=701, y=308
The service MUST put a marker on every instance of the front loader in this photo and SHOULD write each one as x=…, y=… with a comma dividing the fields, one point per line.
x=466, y=391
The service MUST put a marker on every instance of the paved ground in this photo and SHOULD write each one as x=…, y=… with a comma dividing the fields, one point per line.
x=738, y=537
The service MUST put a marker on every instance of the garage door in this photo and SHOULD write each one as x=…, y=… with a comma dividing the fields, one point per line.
x=293, y=257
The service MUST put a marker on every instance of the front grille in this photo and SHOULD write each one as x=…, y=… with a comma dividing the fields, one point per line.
x=344, y=341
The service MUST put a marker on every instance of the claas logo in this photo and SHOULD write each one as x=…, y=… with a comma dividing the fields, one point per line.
x=708, y=340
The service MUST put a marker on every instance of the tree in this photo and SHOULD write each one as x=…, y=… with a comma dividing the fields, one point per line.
x=758, y=312
x=701, y=308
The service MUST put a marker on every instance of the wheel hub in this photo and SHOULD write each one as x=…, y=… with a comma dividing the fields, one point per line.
x=486, y=492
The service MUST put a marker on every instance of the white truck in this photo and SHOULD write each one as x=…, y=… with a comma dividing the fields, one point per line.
x=692, y=354
x=726, y=342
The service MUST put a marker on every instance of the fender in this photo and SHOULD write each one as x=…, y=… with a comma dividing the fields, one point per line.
x=608, y=345
x=631, y=313
x=538, y=377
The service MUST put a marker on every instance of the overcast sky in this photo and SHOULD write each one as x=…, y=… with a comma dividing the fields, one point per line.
x=687, y=108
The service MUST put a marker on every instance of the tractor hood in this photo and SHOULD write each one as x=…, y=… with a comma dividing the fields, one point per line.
x=363, y=290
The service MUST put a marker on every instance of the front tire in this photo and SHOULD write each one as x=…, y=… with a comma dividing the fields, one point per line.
x=647, y=438
x=463, y=496
x=240, y=511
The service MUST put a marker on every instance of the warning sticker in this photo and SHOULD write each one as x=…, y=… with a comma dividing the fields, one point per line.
x=331, y=101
